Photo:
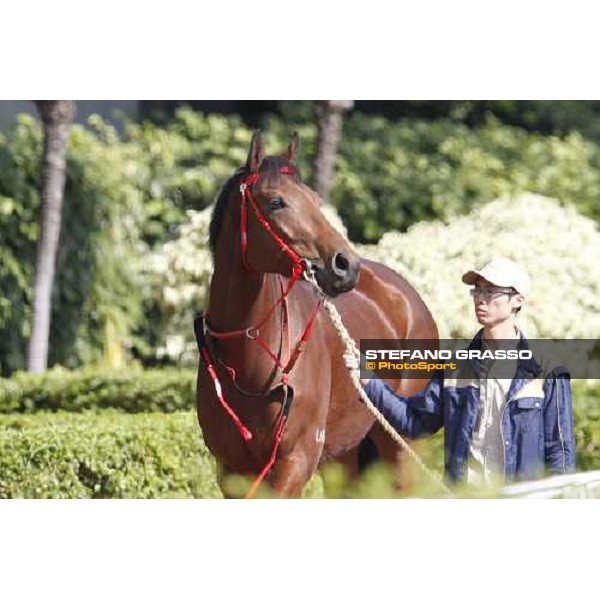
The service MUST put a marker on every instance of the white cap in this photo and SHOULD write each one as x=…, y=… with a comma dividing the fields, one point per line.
x=502, y=272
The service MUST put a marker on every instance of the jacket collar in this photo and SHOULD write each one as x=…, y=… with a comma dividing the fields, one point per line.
x=527, y=369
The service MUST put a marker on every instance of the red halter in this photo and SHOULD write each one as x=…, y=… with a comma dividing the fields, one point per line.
x=253, y=333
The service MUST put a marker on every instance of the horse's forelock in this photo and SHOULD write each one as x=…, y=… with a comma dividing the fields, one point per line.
x=274, y=165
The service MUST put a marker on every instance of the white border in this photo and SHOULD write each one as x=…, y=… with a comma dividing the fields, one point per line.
x=268, y=49
x=298, y=549
x=258, y=49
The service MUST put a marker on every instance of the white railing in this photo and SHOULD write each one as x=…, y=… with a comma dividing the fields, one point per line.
x=577, y=485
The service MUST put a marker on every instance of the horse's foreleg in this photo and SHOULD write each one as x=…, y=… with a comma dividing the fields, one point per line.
x=393, y=455
x=290, y=474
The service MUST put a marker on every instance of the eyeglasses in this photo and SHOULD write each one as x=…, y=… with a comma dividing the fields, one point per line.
x=487, y=293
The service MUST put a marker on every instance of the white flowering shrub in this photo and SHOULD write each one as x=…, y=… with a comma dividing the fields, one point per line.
x=181, y=270
x=559, y=248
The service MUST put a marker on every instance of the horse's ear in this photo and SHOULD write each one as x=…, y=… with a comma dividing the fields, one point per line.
x=257, y=152
x=292, y=152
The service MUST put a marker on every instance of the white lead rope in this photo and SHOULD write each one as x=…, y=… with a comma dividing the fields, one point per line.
x=352, y=348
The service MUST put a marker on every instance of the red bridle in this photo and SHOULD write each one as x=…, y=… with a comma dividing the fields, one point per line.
x=253, y=333
x=245, y=185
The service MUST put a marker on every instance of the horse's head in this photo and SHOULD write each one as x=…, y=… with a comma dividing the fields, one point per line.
x=283, y=222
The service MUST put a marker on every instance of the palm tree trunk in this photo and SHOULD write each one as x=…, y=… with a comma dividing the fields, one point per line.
x=329, y=131
x=57, y=116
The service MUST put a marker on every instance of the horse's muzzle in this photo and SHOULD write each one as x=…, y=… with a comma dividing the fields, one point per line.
x=339, y=275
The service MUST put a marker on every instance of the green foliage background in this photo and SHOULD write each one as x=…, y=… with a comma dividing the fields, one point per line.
x=126, y=195
x=391, y=176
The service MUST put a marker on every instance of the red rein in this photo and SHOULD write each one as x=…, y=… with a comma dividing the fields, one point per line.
x=253, y=333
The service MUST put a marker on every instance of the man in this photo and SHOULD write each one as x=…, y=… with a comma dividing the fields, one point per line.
x=516, y=428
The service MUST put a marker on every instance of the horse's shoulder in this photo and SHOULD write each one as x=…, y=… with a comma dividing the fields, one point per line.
x=396, y=295
x=375, y=276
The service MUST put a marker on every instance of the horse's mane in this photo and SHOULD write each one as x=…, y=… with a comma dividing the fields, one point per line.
x=218, y=212
x=270, y=165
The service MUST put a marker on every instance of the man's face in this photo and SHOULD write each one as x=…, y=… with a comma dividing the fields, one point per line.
x=493, y=304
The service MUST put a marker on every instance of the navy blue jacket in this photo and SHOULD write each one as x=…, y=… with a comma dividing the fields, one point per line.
x=536, y=426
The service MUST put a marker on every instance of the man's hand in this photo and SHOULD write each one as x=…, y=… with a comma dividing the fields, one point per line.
x=353, y=364
x=351, y=361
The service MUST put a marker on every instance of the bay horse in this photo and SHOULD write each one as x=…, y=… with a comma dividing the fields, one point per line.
x=274, y=397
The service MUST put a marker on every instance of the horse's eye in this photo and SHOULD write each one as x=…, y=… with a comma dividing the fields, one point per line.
x=276, y=203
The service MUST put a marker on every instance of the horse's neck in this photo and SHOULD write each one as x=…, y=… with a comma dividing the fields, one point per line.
x=239, y=298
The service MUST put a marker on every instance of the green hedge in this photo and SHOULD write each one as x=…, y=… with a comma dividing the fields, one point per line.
x=109, y=455
x=152, y=390
x=115, y=455
x=587, y=424
x=170, y=390
x=105, y=453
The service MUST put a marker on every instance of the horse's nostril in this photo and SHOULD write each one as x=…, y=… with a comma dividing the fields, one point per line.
x=340, y=264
